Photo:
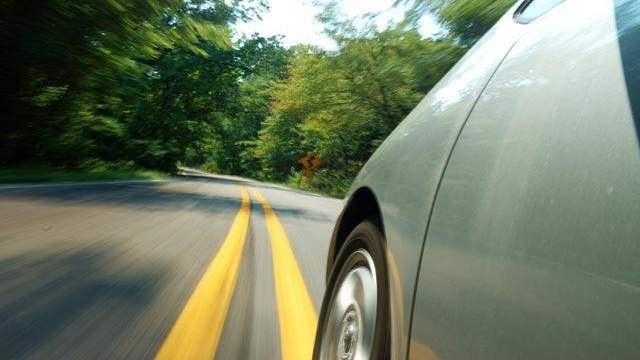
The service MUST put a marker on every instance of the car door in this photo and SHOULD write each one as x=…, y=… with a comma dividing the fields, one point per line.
x=533, y=248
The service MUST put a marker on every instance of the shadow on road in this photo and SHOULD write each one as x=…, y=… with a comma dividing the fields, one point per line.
x=180, y=195
x=149, y=196
x=44, y=293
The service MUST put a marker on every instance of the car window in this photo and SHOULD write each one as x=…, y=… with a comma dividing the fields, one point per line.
x=532, y=9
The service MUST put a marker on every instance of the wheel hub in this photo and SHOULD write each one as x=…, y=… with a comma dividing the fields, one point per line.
x=350, y=322
x=349, y=337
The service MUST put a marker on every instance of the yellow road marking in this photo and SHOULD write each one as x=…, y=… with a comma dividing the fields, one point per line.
x=196, y=333
x=296, y=314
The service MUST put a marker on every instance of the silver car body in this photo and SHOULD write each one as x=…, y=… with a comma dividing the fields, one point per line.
x=510, y=196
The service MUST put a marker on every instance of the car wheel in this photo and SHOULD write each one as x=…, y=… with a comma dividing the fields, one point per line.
x=354, y=320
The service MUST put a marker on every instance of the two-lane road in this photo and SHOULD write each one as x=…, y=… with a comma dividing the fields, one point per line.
x=187, y=268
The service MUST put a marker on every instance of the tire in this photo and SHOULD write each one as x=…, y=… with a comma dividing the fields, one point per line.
x=345, y=330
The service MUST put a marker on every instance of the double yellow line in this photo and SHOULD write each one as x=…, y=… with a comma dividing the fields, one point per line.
x=196, y=333
x=296, y=315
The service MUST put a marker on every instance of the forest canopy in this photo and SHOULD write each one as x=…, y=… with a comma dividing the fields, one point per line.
x=151, y=84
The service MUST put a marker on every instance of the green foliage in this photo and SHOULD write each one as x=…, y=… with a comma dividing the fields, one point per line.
x=465, y=20
x=325, y=181
x=341, y=105
x=77, y=76
x=279, y=147
x=128, y=84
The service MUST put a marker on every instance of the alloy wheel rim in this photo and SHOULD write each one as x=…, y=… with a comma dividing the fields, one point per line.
x=351, y=320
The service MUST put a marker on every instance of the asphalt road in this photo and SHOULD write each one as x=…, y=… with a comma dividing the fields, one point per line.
x=144, y=270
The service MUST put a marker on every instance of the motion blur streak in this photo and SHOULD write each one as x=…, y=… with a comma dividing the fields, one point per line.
x=296, y=314
x=196, y=333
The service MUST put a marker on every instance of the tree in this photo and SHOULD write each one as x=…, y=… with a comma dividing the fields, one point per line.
x=465, y=20
x=70, y=67
x=341, y=105
x=153, y=83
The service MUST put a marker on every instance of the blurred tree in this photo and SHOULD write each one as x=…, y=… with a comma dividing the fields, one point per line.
x=341, y=105
x=151, y=83
x=465, y=20
x=263, y=62
x=65, y=60
x=208, y=108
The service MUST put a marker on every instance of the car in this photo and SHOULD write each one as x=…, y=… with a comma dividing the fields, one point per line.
x=501, y=218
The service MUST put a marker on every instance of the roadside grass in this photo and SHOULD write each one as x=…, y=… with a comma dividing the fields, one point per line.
x=54, y=175
x=323, y=182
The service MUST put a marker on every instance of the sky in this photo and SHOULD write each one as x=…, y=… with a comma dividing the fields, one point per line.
x=295, y=20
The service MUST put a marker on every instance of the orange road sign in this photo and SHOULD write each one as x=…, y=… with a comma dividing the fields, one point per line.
x=309, y=163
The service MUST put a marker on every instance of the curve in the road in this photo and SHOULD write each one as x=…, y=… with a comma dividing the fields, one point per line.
x=197, y=330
